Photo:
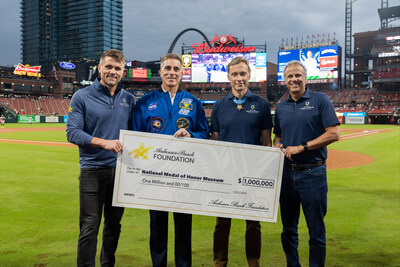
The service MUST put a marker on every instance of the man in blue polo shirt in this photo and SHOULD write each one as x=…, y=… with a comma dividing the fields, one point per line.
x=305, y=123
x=241, y=117
x=96, y=115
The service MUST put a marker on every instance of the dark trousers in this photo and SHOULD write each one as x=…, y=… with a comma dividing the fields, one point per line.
x=159, y=238
x=221, y=242
x=95, y=194
x=308, y=188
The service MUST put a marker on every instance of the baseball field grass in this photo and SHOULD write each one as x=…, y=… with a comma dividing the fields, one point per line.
x=39, y=209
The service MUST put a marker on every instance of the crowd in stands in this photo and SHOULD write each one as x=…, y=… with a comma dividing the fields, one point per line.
x=385, y=103
x=383, y=49
x=386, y=73
x=32, y=105
x=53, y=106
x=360, y=100
x=142, y=87
x=371, y=101
x=350, y=107
x=366, y=100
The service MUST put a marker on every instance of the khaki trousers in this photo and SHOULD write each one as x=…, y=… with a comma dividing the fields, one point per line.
x=221, y=242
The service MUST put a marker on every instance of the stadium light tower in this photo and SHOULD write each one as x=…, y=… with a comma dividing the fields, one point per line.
x=347, y=45
x=384, y=22
x=348, y=33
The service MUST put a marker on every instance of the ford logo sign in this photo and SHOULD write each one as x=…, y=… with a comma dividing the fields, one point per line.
x=67, y=65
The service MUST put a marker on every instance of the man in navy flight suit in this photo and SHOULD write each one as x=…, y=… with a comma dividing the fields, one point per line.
x=170, y=110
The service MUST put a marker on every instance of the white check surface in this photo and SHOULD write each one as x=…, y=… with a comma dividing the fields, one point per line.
x=197, y=176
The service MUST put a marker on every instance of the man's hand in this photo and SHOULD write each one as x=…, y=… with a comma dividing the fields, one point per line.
x=182, y=133
x=279, y=145
x=293, y=150
x=111, y=145
x=278, y=142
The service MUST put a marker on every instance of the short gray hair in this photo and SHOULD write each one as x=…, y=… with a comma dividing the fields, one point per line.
x=296, y=62
x=171, y=56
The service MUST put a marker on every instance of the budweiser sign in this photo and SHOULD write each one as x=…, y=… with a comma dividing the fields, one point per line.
x=26, y=70
x=221, y=46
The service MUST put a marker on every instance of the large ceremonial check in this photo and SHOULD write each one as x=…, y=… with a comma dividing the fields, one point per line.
x=197, y=176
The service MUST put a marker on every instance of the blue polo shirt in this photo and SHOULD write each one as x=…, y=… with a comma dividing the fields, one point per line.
x=241, y=126
x=304, y=120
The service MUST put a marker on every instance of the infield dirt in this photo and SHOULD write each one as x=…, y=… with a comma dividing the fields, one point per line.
x=337, y=159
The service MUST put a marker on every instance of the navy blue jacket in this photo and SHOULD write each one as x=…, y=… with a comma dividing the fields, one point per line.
x=93, y=112
x=154, y=113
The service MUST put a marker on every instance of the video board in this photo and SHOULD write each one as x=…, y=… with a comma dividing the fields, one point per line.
x=322, y=63
x=391, y=48
x=138, y=73
x=206, y=68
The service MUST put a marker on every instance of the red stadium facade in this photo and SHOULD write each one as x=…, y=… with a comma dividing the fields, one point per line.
x=372, y=94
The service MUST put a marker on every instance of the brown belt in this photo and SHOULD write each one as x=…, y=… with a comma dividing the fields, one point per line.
x=302, y=167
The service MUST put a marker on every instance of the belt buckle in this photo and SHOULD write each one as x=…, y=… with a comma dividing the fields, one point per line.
x=296, y=167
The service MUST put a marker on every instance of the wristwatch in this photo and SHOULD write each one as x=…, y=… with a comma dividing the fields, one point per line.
x=305, y=146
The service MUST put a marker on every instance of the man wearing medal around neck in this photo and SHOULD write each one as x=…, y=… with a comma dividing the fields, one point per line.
x=240, y=117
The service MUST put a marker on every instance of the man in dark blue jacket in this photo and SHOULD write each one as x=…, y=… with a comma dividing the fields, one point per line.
x=171, y=111
x=96, y=115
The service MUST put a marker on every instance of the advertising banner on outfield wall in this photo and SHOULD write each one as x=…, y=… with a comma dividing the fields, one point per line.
x=355, y=118
x=28, y=119
x=53, y=119
x=339, y=115
x=354, y=114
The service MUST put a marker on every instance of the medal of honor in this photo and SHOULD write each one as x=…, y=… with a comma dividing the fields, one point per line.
x=239, y=102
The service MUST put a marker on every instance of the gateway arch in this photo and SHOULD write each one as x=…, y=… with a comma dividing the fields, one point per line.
x=171, y=48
